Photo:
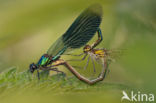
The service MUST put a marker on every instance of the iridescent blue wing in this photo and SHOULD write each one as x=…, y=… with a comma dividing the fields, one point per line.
x=80, y=32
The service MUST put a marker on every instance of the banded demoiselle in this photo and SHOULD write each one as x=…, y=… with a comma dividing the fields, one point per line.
x=78, y=35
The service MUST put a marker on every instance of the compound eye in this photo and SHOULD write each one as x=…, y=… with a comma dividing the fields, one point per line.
x=32, y=67
x=88, y=48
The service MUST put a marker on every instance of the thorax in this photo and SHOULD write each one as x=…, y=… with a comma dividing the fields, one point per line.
x=98, y=52
x=45, y=60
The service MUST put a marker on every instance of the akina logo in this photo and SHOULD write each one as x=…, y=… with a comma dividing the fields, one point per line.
x=138, y=96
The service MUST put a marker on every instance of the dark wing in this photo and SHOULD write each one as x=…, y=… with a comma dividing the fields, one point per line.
x=80, y=32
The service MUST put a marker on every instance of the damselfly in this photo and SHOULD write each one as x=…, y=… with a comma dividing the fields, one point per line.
x=102, y=56
x=79, y=33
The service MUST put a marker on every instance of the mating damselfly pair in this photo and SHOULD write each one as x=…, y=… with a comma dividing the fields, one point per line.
x=77, y=36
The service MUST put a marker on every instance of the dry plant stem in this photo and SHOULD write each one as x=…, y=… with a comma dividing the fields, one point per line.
x=82, y=78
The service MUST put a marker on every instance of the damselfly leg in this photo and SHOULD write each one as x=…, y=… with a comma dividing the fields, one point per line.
x=49, y=68
x=85, y=67
x=84, y=57
x=58, y=71
x=38, y=74
x=93, y=64
x=75, y=54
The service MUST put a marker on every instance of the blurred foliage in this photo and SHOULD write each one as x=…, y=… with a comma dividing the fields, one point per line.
x=17, y=84
x=29, y=27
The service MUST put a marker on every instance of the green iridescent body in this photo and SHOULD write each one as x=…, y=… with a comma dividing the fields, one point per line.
x=44, y=60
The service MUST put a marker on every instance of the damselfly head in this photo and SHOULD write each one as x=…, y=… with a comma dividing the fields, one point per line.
x=32, y=67
x=86, y=48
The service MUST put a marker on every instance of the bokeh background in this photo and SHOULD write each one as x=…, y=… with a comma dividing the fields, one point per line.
x=29, y=27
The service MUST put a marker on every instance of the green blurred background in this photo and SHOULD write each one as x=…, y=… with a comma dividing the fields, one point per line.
x=29, y=27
